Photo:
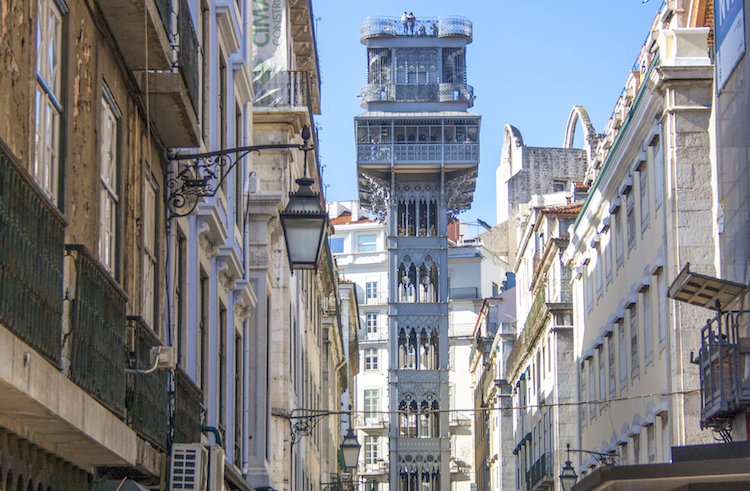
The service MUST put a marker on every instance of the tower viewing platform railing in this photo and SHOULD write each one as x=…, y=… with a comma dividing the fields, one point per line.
x=441, y=27
x=444, y=92
x=417, y=152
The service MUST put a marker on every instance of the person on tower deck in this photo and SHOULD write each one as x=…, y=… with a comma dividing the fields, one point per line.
x=410, y=20
x=422, y=30
x=433, y=28
x=405, y=21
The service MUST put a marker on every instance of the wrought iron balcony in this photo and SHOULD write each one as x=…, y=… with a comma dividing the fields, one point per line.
x=173, y=92
x=147, y=398
x=458, y=418
x=416, y=153
x=188, y=409
x=541, y=472
x=283, y=89
x=375, y=27
x=456, y=92
x=724, y=360
x=97, y=335
x=31, y=260
x=374, y=422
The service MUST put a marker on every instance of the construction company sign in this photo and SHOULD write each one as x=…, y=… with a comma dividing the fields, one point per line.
x=270, y=41
x=729, y=29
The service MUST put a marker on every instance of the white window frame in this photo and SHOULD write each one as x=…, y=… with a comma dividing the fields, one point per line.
x=367, y=246
x=648, y=327
x=371, y=322
x=109, y=178
x=371, y=403
x=634, y=351
x=150, y=190
x=372, y=453
x=371, y=291
x=644, y=196
x=371, y=359
x=48, y=111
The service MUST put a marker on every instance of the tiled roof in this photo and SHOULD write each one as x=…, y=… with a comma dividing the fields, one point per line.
x=573, y=209
x=346, y=217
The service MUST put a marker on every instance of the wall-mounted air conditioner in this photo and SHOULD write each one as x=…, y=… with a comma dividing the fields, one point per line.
x=189, y=467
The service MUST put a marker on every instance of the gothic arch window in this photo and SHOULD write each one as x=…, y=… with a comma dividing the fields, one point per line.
x=418, y=283
x=418, y=349
x=417, y=218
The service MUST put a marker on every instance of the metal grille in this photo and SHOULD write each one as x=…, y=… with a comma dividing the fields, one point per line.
x=282, y=89
x=31, y=261
x=147, y=394
x=188, y=53
x=98, y=332
x=188, y=409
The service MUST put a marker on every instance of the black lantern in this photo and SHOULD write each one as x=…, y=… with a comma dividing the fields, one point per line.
x=350, y=450
x=304, y=222
x=568, y=477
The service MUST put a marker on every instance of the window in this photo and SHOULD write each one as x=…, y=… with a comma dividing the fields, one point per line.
x=636, y=449
x=563, y=319
x=371, y=403
x=622, y=349
x=239, y=168
x=495, y=289
x=367, y=243
x=372, y=322
x=607, y=247
x=371, y=450
x=651, y=443
x=371, y=359
x=109, y=198
x=584, y=398
x=598, y=272
x=222, y=368
x=618, y=238
x=204, y=306
x=643, y=175
x=371, y=291
x=238, y=398
x=648, y=331
x=558, y=186
x=589, y=287
x=592, y=390
x=602, y=375
x=611, y=366
x=661, y=325
x=634, y=360
x=631, y=220
x=48, y=97
x=658, y=171
x=149, y=249
x=666, y=440
x=181, y=294
x=337, y=244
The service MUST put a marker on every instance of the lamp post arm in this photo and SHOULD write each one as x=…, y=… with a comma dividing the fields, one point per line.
x=605, y=458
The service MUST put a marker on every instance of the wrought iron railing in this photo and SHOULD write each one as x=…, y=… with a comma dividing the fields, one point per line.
x=724, y=360
x=466, y=293
x=458, y=418
x=375, y=420
x=31, y=260
x=416, y=92
x=97, y=335
x=418, y=152
x=147, y=399
x=456, y=92
x=390, y=27
x=188, y=52
x=539, y=301
x=188, y=409
x=541, y=469
x=282, y=89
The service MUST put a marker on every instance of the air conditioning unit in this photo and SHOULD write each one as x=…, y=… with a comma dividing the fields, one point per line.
x=189, y=467
x=216, y=459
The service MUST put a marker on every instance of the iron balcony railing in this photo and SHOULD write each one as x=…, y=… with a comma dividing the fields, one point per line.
x=444, y=92
x=97, y=335
x=724, y=360
x=379, y=334
x=379, y=467
x=458, y=418
x=165, y=10
x=540, y=471
x=187, y=59
x=467, y=293
x=374, y=421
x=374, y=27
x=188, y=409
x=282, y=89
x=31, y=260
x=147, y=400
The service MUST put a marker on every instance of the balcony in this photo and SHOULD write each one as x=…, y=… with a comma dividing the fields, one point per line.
x=173, y=92
x=376, y=27
x=31, y=261
x=188, y=412
x=371, y=424
x=417, y=153
x=459, y=466
x=378, y=468
x=541, y=473
x=377, y=298
x=380, y=334
x=97, y=333
x=724, y=360
x=126, y=21
x=458, y=418
x=467, y=293
x=147, y=393
x=456, y=92
x=283, y=89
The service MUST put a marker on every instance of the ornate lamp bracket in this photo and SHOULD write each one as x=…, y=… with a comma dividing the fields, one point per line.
x=200, y=175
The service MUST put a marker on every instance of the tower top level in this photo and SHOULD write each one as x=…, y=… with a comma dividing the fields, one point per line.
x=416, y=64
x=378, y=28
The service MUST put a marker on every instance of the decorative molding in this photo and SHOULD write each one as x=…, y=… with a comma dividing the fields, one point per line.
x=374, y=196
x=459, y=193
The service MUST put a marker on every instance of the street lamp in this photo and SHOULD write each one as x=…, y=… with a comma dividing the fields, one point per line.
x=568, y=477
x=350, y=450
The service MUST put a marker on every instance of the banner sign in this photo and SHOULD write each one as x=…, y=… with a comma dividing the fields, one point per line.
x=729, y=31
x=270, y=43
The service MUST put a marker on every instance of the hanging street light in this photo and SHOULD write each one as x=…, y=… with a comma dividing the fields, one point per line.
x=350, y=450
x=568, y=477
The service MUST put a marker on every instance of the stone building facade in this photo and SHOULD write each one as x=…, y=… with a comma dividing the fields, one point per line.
x=647, y=215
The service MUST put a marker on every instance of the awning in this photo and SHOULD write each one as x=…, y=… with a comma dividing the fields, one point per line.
x=705, y=291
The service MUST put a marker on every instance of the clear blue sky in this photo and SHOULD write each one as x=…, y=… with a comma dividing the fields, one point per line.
x=530, y=63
